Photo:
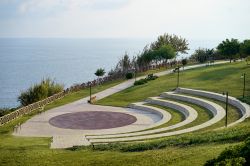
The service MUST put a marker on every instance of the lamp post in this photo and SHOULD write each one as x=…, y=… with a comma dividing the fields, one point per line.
x=135, y=73
x=90, y=93
x=244, y=83
x=226, y=93
x=178, y=77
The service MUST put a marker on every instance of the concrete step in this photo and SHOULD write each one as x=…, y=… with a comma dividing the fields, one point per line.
x=66, y=141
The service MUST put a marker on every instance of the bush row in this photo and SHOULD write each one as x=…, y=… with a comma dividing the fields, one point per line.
x=145, y=80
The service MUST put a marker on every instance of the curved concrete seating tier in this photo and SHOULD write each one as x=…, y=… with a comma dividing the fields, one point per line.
x=189, y=113
x=216, y=110
x=165, y=117
x=242, y=107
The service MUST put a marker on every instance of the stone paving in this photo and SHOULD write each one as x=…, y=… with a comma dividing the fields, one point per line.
x=92, y=120
x=39, y=125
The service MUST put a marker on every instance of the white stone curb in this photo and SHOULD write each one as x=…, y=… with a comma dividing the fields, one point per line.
x=242, y=107
x=189, y=113
x=216, y=109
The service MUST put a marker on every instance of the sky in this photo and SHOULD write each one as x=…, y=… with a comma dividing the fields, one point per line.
x=195, y=19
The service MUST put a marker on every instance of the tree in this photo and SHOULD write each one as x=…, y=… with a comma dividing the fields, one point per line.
x=144, y=59
x=125, y=63
x=210, y=55
x=248, y=60
x=245, y=48
x=133, y=62
x=179, y=44
x=148, y=55
x=200, y=55
x=165, y=52
x=229, y=48
x=100, y=72
x=184, y=62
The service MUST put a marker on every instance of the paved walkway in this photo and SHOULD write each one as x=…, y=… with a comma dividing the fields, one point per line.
x=40, y=127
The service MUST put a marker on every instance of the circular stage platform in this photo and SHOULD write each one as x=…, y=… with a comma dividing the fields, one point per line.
x=92, y=120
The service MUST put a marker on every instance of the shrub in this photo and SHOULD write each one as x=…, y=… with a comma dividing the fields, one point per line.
x=145, y=80
x=237, y=155
x=40, y=91
x=184, y=62
x=100, y=72
x=151, y=77
x=140, y=82
x=4, y=111
x=129, y=75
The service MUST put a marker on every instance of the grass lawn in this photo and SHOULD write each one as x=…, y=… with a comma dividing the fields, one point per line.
x=36, y=152
x=188, y=149
x=217, y=78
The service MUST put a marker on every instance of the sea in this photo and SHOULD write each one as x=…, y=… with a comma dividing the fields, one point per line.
x=26, y=61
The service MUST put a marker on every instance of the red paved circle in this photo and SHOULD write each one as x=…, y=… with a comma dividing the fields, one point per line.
x=91, y=120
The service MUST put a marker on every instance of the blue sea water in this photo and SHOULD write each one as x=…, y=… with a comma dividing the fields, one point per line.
x=25, y=61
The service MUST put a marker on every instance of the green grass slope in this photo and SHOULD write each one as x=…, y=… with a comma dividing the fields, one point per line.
x=216, y=78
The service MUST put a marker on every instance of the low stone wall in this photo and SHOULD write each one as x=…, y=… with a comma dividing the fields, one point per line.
x=27, y=109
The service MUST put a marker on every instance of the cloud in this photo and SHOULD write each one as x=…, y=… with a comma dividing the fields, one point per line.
x=128, y=18
x=48, y=5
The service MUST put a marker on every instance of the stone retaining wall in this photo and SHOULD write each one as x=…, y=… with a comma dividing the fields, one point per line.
x=27, y=109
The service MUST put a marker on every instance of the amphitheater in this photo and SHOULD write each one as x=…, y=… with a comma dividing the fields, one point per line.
x=83, y=124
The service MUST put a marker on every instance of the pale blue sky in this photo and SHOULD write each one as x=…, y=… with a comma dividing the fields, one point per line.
x=193, y=19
